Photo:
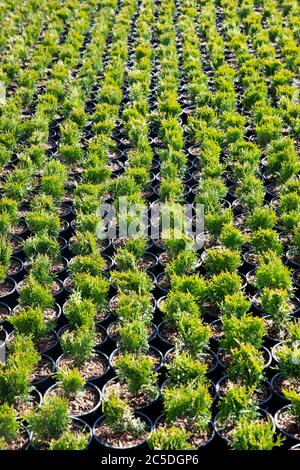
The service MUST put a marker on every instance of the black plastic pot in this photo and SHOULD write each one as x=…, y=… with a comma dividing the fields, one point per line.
x=263, y=413
x=160, y=420
x=291, y=439
x=98, y=380
x=268, y=358
x=10, y=291
x=262, y=403
x=76, y=422
x=148, y=408
x=210, y=370
x=99, y=329
x=106, y=446
x=45, y=382
x=87, y=416
x=152, y=349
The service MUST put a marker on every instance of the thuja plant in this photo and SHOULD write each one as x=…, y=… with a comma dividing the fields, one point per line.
x=30, y=321
x=232, y=238
x=40, y=270
x=176, y=305
x=272, y=274
x=222, y=285
x=235, y=305
x=175, y=242
x=185, y=368
x=239, y=401
x=191, y=402
x=262, y=218
x=186, y=262
x=80, y=311
x=119, y=417
x=247, y=329
x=171, y=438
x=15, y=383
x=5, y=254
x=288, y=357
x=10, y=426
x=193, y=335
x=133, y=337
x=70, y=382
x=266, y=239
x=92, y=264
x=33, y=294
x=137, y=281
x=194, y=284
x=94, y=288
x=79, y=344
x=275, y=303
x=294, y=399
x=255, y=435
x=134, y=307
x=137, y=373
x=43, y=244
x=220, y=260
x=246, y=365
x=49, y=422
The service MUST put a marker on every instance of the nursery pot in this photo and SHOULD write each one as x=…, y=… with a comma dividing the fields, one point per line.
x=105, y=445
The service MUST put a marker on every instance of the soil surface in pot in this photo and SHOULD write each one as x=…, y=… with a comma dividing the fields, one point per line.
x=118, y=439
x=93, y=367
x=83, y=403
x=135, y=400
x=42, y=370
x=288, y=423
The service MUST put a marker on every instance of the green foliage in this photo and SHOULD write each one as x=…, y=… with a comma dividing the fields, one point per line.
x=220, y=260
x=185, y=368
x=274, y=302
x=294, y=398
x=191, y=401
x=175, y=242
x=49, y=421
x=30, y=321
x=186, y=262
x=79, y=344
x=272, y=274
x=266, y=239
x=238, y=401
x=71, y=381
x=241, y=330
x=134, y=307
x=262, y=218
x=41, y=270
x=70, y=441
x=137, y=373
x=193, y=335
x=133, y=337
x=33, y=294
x=176, y=305
x=10, y=427
x=193, y=284
x=171, y=438
x=289, y=361
x=215, y=221
x=246, y=365
x=80, y=311
x=255, y=435
x=90, y=264
x=232, y=238
x=222, y=285
x=235, y=305
x=120, y=417
x=94, y=288
x=42, y=244
x=128, y=281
